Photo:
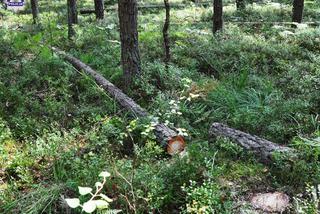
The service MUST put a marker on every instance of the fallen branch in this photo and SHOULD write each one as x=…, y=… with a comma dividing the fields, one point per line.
x=275, y=23
x=173, y=5
x=262, y=148
x=165, y=136
x=146, y=7
x=87, y=11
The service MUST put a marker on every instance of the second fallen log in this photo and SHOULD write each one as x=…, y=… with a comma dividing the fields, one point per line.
x=262, y=148
x=167, y=137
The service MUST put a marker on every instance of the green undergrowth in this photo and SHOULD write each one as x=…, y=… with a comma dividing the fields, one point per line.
x=59, y=130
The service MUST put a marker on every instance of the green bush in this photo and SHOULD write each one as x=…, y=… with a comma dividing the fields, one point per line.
x=303, y=169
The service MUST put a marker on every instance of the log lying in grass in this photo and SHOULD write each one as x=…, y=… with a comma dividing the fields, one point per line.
x=312, y=24
x=147, y=7
x=262, y=148
x=173, y=5
x=87, y=11
x=166, y=136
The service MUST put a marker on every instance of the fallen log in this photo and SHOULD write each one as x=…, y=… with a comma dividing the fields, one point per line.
x=312, y=24
x=146, y=7
x=173, y=5
x=167, y=137
x=87, y=11
x=262, y=148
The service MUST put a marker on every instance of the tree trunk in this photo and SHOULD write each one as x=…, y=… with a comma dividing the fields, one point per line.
x=165, y=136
x=260, y=147
x=297, y=10
x=99, y=9
x=130, y=56
x=217, y=15
x=35, y=10
x=240, y=4
x=166, y=40
x=72, y=17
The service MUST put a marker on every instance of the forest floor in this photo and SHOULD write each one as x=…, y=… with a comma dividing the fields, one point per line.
x=59, y=129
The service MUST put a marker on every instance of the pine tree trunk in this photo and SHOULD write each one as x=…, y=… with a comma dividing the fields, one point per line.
x=166, y=40
x=297, y=10
x=35, y=10
x=130, y=56
x=72, y=17
x=240, y=4
x=217, y=15
x=99, y=9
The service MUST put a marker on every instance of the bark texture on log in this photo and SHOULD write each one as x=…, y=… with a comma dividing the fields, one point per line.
x=72, y=17
x=260, y=147
x=35, y=10
x=217, y=15
x=297, y=10
x=166, y=40
x=99, y=9
x=164, y=134
x=130, y=55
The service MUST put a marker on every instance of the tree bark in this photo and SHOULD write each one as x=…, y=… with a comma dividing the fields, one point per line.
x=166, y=40
x=35, y=10
x=260, y=147
x=240, y=4
x=130, y=56
x=72, y=17
x=99, y=9
x=217, y=15
x=297, y=10
x=167, y=137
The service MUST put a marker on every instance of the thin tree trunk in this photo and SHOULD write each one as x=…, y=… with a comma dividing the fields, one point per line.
x=99, y=9
x=130, y=56
x=240, y=4
x=35, y=10
x=72, y=17
x=167, y=137
x=217, y=15
x=297, y=10
x=165, y=32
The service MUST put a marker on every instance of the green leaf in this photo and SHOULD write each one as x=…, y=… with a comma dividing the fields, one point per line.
x=89, y=206
x=73, y=202
x=104, y=174
x=84, y=190
x=110, y=27
x=98, y=185
x=105, y=197
x=45, y=53
x=36, y=38
x=101, y=204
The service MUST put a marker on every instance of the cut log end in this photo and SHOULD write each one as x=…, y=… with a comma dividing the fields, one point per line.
x=176, y=145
